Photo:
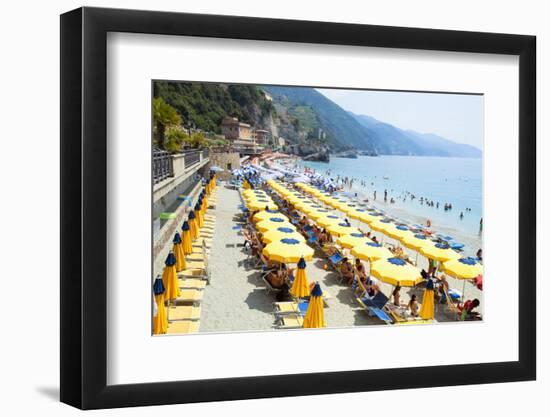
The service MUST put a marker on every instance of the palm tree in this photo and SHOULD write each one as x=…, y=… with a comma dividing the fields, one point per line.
x=164, y=116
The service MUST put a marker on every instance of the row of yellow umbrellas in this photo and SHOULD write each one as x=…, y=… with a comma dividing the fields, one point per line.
x=167, y=287
x=452, y=263
x=292, y=249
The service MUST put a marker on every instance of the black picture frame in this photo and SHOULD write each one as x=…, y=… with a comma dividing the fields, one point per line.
x=84, y=207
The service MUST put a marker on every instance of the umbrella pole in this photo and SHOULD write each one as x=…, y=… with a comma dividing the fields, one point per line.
x=463, y=289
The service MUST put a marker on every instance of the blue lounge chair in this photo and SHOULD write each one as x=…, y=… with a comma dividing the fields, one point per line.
x=336, y=259
x=374, y=306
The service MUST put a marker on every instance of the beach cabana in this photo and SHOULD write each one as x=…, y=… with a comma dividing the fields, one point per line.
x=288, y=251
x=300, y=286
x=281, y=233
x=370, y=251
x=395, y=271
x=353, y=239
x=273, y=223
x=315, y=314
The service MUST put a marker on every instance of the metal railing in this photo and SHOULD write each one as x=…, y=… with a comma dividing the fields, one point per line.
x=191, y=157
x=162, y=165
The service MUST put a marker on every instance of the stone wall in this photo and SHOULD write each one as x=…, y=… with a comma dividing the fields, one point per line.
x=222, y=160
x=163, y=242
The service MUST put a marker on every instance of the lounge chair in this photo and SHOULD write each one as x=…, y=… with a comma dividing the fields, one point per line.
x=374, y=306
x=192, y=283
x=290, y=307
x=183, y=327
x=268, y=287
x=336, y=259
x=190, y=296
x=184, y=313
x=290, y=322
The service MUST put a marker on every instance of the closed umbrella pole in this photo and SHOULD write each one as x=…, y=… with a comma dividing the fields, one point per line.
x=179, y=252
x=300, y=286
x=160, y=321
x=315, y=314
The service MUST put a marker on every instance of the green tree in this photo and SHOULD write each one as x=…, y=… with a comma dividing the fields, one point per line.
x=197, y=140
x=175, y=138
x=164, y=116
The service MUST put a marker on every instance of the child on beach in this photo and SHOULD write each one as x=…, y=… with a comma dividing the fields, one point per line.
x=413, y=306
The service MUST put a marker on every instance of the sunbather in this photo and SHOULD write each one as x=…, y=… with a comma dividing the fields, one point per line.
x=346, y=269
x=413, y=306
x=467, y=310
x=396, y=294
x=360, y=269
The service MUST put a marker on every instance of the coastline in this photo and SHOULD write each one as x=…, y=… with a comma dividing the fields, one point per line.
x=472, y=241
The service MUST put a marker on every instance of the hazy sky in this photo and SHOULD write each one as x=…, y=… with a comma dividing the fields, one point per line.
x=457, y=117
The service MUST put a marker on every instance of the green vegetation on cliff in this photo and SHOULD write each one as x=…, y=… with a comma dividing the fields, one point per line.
x=204, y=105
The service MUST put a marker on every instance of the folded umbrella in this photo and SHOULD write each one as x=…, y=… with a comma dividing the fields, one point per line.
x=160, y=320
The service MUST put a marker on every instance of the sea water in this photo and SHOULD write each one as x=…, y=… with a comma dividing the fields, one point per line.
x=456, y=181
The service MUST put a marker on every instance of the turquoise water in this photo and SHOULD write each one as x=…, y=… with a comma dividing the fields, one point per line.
x=457, y=181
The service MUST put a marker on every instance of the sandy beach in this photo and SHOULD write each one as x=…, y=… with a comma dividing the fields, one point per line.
x=236, y=299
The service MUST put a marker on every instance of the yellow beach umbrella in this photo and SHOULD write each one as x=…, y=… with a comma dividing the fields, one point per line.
x=356, y=213
x=396, y=271
x=328, y=220
x=370, y=251
x=463, y=268
x=281, y=233
x=300, y=286
x=399, y=232
x=315, y=314
x=427, y=308
x=179, y=253
x=368, y=218
x=193, y=226
x=266, y=214
x=353, y=239
x=170, y=278
x=273, y=223
x=198, y=216
x=439, y=252
x=341, y=229
x=318, y=213
x=416, y=241
x=160, y=320
x=382, y=225
x=288, y=251
x=348, y=208
x=261, y=204
x=186, y=238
